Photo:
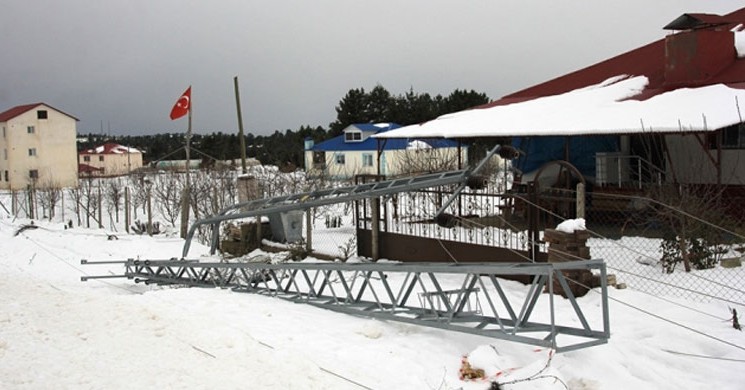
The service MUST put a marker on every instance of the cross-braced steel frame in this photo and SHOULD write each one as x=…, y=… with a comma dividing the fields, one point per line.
x=469, y=298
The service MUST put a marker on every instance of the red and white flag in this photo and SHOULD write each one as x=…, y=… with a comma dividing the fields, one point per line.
x=182, y=106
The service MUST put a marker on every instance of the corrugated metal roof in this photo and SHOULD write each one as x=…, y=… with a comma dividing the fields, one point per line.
x=647, y=60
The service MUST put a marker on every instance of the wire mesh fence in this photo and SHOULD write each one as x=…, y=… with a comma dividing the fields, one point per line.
x=636, y=235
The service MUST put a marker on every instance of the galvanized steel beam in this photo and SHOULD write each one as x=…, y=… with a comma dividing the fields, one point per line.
x=444, y=296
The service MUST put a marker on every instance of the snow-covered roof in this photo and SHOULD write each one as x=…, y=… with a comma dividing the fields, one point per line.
x=418, y=145
x=739, y=31
x=605, y=108
x=111, y=148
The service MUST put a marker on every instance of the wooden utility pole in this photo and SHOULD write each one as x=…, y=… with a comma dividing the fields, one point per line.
x=240, y=125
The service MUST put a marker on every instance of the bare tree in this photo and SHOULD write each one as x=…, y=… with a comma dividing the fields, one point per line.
x=49, y=196
x=138, y=197
x=114, y=194
x=421, y=158
x=87, y=199
x=76, y=194
x=166, y=192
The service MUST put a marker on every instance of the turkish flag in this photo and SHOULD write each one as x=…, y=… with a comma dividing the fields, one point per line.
x=182, y=106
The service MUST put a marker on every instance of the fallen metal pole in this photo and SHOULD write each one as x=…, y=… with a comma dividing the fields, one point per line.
x=464, y=297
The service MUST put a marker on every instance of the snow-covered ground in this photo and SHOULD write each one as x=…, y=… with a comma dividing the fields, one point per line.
x=59, y=333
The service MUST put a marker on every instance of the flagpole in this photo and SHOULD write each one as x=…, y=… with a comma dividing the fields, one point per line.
x=187, y=191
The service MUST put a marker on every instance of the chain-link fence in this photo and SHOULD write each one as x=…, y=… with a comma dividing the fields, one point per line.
x=651, y=245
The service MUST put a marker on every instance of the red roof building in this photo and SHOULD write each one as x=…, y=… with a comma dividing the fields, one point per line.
x=109, y=159
x=675, y=106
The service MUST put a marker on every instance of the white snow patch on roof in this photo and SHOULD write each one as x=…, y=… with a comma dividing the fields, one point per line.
x=604, y=108
x=418, y=145
x=739, y=31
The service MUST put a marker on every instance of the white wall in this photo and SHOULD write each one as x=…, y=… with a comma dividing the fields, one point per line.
x=395, y=161
x=692, y=165
x=113, y=163
x=54, y=140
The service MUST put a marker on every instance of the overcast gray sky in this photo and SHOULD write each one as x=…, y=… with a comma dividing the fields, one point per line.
x=125, y=63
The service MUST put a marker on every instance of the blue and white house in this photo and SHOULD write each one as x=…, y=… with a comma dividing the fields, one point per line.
x=355, y=152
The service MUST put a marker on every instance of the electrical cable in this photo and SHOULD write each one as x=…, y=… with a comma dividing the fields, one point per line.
x=63, y=261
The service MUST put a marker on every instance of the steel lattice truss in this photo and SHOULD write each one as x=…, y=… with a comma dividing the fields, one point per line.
x=468, y=298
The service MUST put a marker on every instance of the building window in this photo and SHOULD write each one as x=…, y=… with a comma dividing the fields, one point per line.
x=319, y=159
x=87, y=158
x=32, y=152
x=34, y=173
x=31, y=130
x=733, y=137
x=6, y=176
x=3, y=131
x=41, y=114
x=367, y=160
x=353, y=136
x=100, y=158
x=339, y=158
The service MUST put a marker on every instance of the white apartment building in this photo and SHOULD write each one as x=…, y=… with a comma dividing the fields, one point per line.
x=37, y=148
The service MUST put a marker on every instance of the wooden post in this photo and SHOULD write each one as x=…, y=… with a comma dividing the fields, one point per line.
x=149, y=213
x=62, y=198
x=580, y=200
x=259, y=235
x=240, y=126
x=126, y=209
x=30, y=202
x=100, y=207
x=185, y=195
x=309, y=230
x=533, y=218
x=375, y=227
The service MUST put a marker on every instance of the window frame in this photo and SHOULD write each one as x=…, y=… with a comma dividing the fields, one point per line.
x=353, y=136
x=367, y=160
x=340, y=159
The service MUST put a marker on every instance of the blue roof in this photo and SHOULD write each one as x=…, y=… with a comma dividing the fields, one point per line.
x=376, y=127
x=338, y=144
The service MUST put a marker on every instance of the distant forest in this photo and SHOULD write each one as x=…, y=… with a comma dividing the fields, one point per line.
x=285, y=149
